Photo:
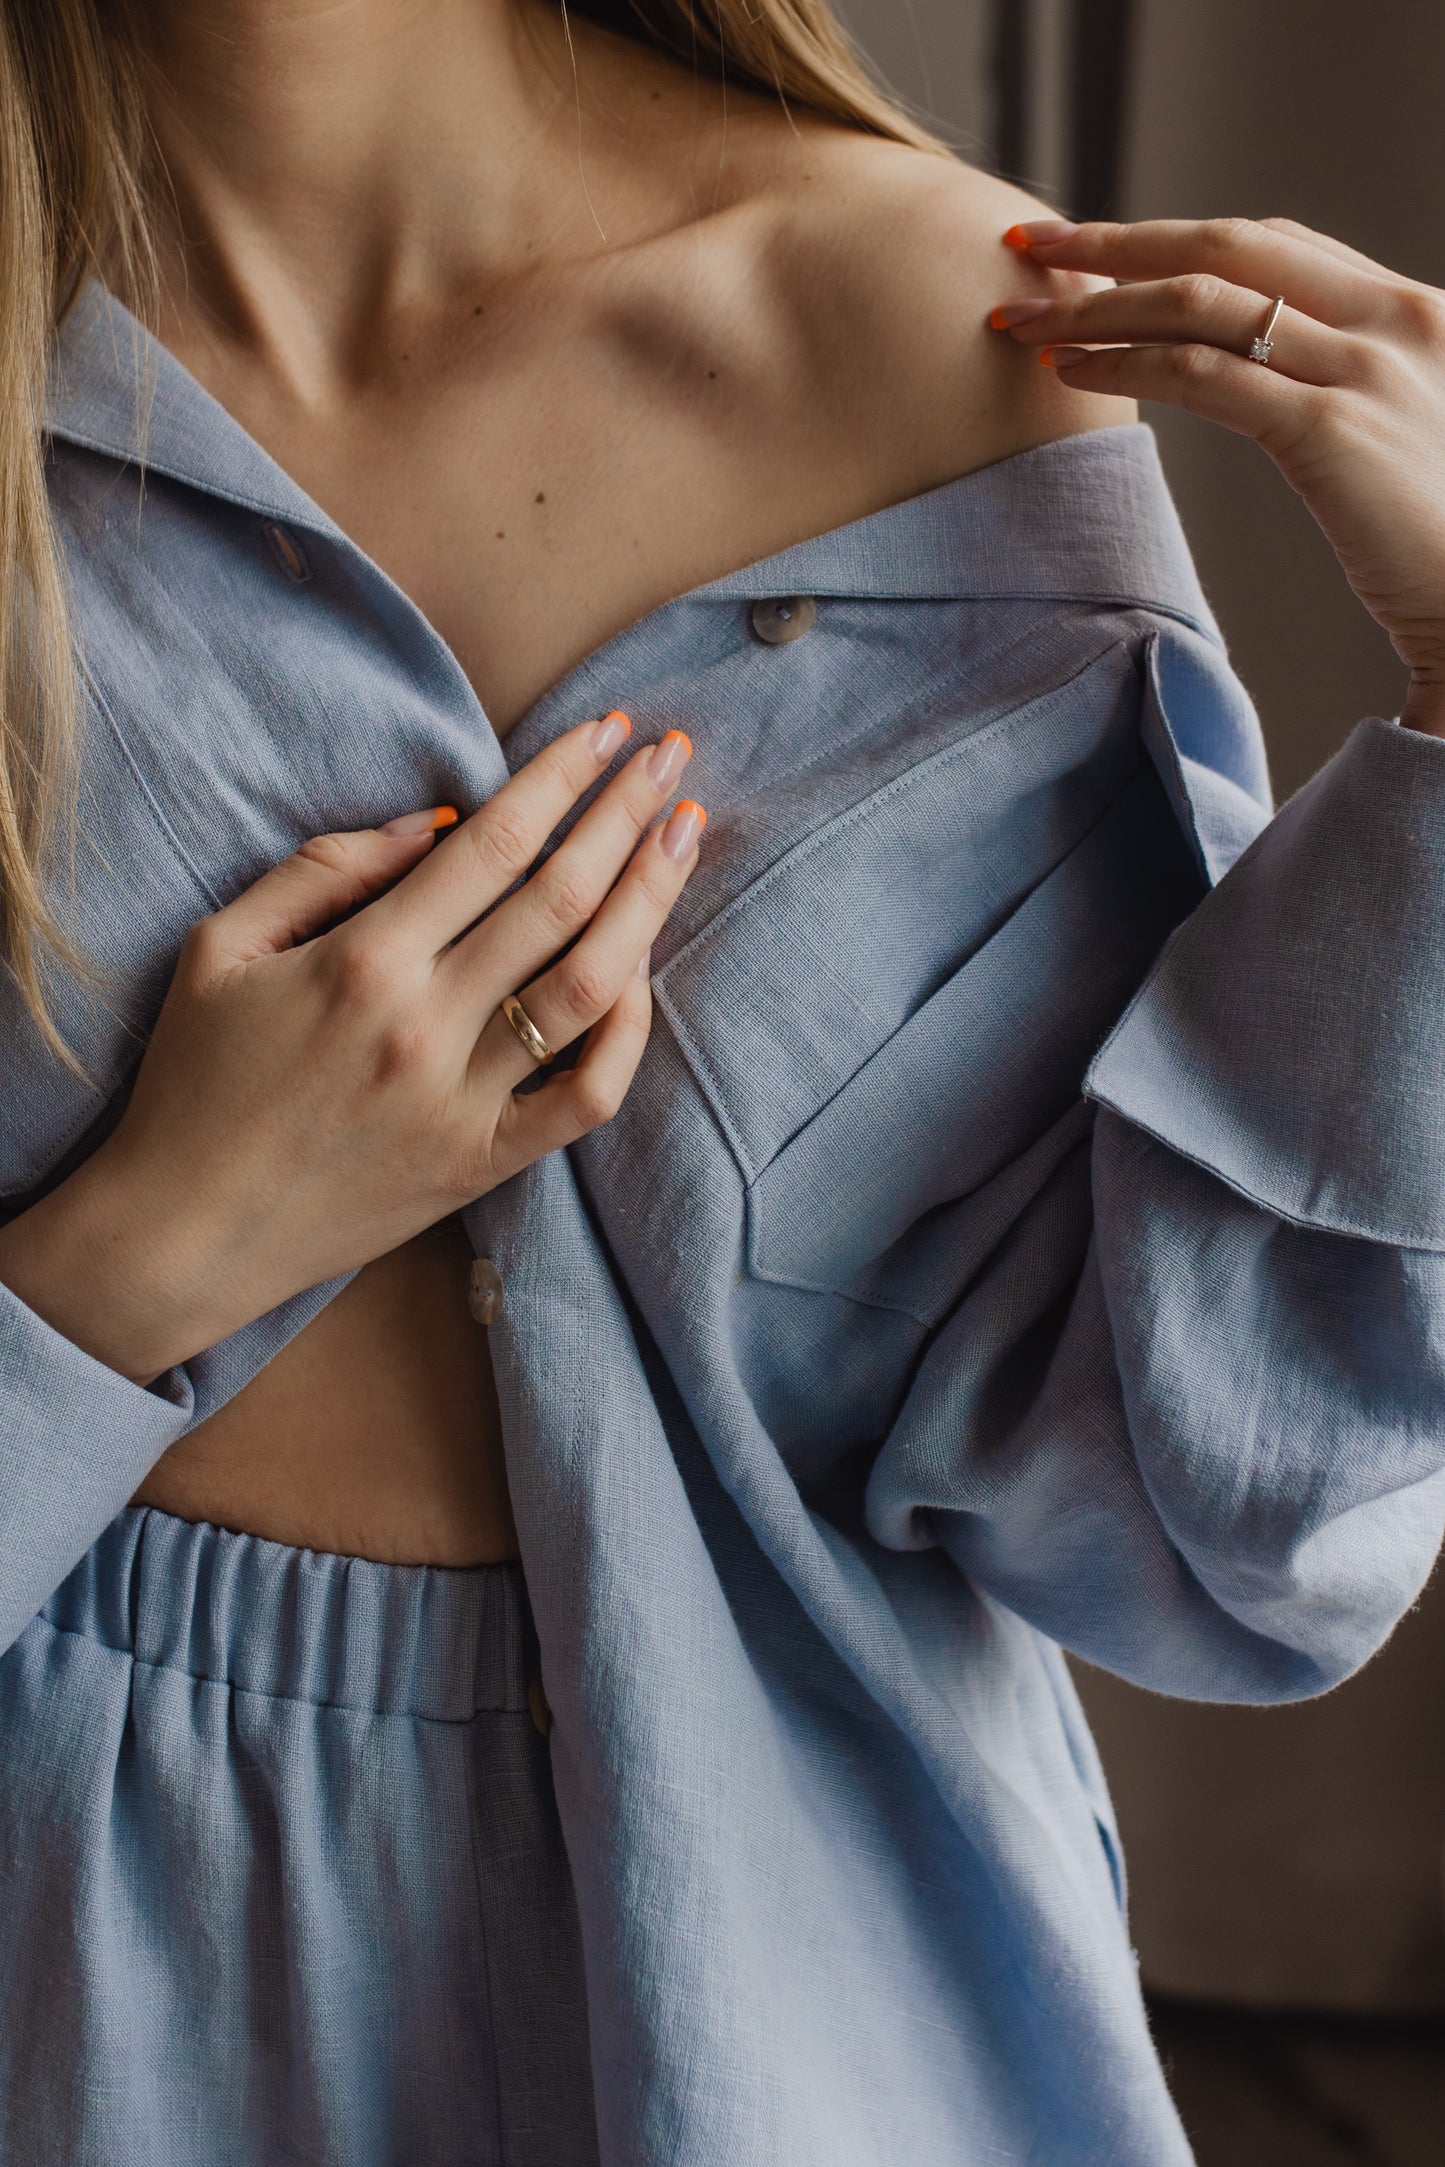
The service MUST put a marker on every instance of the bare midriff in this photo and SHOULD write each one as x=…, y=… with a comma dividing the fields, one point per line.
x=375, y=1432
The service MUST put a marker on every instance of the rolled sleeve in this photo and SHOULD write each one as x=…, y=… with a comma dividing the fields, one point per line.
x=76, y=1439
x=1291, y=1038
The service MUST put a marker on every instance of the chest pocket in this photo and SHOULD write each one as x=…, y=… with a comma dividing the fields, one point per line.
x=892, y=1024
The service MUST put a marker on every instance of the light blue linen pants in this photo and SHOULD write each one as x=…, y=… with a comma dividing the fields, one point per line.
x=281, y=1878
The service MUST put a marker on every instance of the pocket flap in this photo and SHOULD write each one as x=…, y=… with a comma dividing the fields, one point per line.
x=784, y=996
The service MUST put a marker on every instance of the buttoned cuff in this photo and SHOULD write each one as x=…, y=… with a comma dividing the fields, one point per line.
x=1291, y=1037
x=76, y=1439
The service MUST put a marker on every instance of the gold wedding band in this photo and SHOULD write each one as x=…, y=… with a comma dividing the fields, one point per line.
x=526, y=1030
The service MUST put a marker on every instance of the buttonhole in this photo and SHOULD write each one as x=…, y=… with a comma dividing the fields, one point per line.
x=287, y=551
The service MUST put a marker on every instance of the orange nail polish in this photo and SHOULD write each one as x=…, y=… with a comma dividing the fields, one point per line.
x=669, y=757
x=1010, y=314
x=684, y=827
x=440, y=816
x=1041, y=233
x=1063, y=357
x=607, y=735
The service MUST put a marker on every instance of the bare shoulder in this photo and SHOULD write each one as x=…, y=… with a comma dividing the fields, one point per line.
x=885, y=264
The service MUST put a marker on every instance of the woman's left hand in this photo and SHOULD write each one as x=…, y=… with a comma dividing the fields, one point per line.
x=1351, y=406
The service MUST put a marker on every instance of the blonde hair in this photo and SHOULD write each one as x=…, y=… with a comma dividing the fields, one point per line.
x=71, y=165
x=74, y=179
x=795, y=49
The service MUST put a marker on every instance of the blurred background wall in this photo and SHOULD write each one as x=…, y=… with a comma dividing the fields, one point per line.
x=1290, y=1857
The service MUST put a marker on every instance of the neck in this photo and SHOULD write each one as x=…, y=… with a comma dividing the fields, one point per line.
x=337, y=165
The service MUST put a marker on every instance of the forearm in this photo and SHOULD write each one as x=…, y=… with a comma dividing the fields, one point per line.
x=108, y=1275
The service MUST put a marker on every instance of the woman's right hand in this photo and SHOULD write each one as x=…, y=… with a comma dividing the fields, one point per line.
x=316, y=1092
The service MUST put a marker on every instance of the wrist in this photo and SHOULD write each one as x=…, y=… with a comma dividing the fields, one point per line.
x=99, y=1264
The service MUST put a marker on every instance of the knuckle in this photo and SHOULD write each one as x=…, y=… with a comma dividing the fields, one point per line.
x=566, y=895
x=198, y=949
x=558, y=761
x=361, y=969
x=200, y=959
x=1197, y=364
x=1200, y=293
x=1419, y=312
x=595, y=1100
x=1228, y=236
x=655, y=886
x=1314, y=419
x=504, y=842
x=1368, y=365
x=333, y=853
x=399, y=1049
x=586, y=987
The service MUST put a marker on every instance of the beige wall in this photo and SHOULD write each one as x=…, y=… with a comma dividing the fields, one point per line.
x=1329, y=114
x=935, y=54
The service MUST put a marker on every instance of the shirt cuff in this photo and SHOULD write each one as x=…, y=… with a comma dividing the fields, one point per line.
x=1291, y=1037
x=76, y=1438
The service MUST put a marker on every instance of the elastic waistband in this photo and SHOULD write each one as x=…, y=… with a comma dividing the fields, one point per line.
x=420, y=1640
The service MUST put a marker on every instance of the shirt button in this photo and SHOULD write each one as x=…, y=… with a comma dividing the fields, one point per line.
x=287, y=550
x=786, y=617
x=537, y=1702
x=485, y=1292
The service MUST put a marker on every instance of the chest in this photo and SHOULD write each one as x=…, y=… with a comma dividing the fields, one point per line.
x=535, y=491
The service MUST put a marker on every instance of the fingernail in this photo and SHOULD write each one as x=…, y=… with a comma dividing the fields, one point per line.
x=669, y=758
x=440, y=816
x=608, y=734
x=644, y=963
x=685, y=825
x=1062, y=357
x=1040, y=233
x=1009, y=313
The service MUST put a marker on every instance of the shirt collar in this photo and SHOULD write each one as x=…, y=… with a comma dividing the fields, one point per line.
x=1086, y=518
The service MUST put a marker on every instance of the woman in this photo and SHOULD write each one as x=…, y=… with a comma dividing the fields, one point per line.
x=965, y=1272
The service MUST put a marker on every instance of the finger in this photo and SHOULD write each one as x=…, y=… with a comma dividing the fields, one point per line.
x=1339, y=249
x=1255, y=402
x=565, y=894
x=495, y=847
x=1198, y=308
x=322, y=880
x=582, y=986
x=1237, y=249
x=585, y=1096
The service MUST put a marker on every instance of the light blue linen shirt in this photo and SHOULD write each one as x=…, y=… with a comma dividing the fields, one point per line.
x=1025, y=1231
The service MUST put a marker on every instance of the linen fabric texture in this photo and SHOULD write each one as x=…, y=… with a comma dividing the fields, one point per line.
x=1024, y=1232
x=280, y=1871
